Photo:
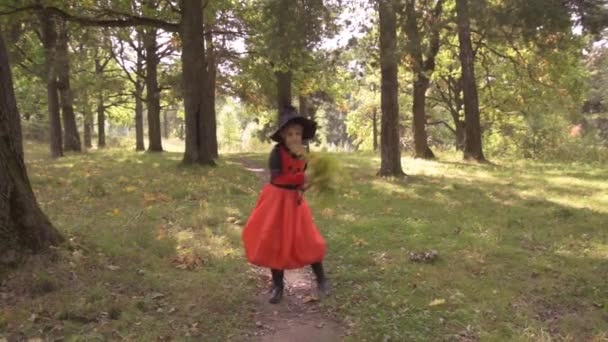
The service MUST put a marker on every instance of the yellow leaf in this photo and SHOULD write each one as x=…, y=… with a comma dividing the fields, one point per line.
x=436, y=302
x=309, y=299
x=116, y=212
x=130, y=188
x=327, y=212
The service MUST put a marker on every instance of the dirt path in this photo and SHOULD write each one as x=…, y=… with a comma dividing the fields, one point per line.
x=298, y=318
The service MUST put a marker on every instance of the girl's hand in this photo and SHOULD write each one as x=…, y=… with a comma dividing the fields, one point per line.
x=298, y=150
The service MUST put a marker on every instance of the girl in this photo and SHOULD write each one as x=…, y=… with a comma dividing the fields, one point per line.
x=280, y=233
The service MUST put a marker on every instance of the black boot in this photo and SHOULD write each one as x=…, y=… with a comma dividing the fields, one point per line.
x=322, y=284
x=278, y=286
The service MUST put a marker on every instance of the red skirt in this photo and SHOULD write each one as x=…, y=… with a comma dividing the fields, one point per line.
x=280, y=233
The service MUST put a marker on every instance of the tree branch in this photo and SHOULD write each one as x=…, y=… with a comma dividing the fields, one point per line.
x=124, y=20
x=441, y=122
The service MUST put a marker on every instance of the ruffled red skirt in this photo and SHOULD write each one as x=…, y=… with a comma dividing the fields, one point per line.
x=280, y=233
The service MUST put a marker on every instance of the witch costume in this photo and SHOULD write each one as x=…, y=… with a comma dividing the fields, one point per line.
x=280, y=233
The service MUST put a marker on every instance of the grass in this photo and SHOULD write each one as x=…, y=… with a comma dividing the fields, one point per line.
x=149, y=254
x=523, y=251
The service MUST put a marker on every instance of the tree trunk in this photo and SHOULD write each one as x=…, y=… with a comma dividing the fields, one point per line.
x=101, y=118
x=49, y=42
x=421, y=146
x=303, y=103
x=375, y=127
x=71, y=138
x=472, y=145
x=88, y=120
x=422, y=71
x=456, y=109
x=139, y=116
x=284, y=80
x=198, y=146
x=390, y=152
x=152, y=91
x=139, y=108
x=284, y=75
x=165, y=124
x=101, y=121
x=211, y=88
x=23, y=225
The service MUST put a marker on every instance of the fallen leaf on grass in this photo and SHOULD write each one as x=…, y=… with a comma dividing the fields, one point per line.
x=188, y=261
x=157, y=295
x=309, y=299
x=436, y=302
x=130, y=188
x=150, y=198
x=161, y=232
x=328, y=213
x=359, y=242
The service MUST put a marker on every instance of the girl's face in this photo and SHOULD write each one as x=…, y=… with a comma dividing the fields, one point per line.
x=292, y=135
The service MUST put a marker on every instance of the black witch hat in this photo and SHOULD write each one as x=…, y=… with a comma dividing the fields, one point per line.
x=289, y=115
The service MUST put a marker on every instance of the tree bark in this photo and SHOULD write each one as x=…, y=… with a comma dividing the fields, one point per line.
x=198, y=146
x=165, y=129
x=49, y=42
x=88, y=120
x=23, y=225
x=211, y=88
x=101, y=117
x=390, y=164
x=71, y=138
x=422, y=71
x=139, y=116
x=456, y=109
x=101, y=121
x=303, y=104
x=152, y=91
x=472, y=145
x=284, y=80
x=284, y=75
x=375, y=127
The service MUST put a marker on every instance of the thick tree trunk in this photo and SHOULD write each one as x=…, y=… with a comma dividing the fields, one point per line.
x=49, y=42
x=284, y=80
x=421, y=146
x=211, y=88
x=23, y=226
x=390, y=164
x=303, y=103
x=284, y=77
x=152, y=91
x=472, y=146
x=71, y=138
x=422, y=70
x=198, y=146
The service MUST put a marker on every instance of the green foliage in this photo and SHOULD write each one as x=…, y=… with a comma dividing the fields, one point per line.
x=325, y=173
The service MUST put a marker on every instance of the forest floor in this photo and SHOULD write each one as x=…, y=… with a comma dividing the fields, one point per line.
x=456, y=251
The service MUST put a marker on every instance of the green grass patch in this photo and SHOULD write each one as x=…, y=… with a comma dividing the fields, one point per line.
x=153, y=250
